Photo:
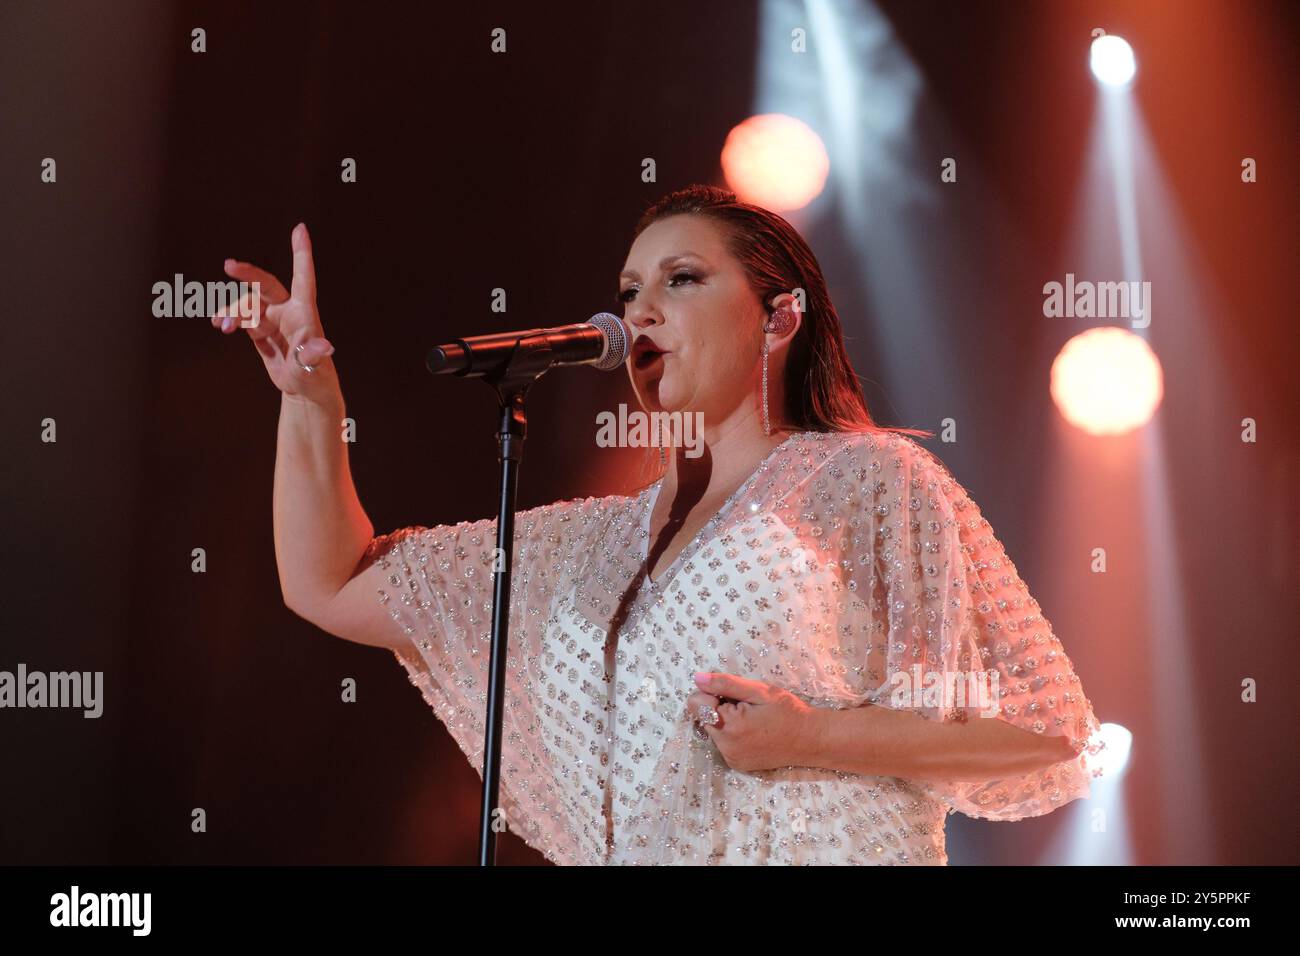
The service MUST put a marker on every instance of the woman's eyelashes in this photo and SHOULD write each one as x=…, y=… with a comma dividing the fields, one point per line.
x=627, y=294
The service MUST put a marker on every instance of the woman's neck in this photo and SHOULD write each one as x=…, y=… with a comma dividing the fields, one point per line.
x=727, y=459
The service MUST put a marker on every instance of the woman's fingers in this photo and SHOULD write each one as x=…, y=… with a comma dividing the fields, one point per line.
x=697, y=700
x=251, y=309
x=304, y=269
x=272, y=289
x=314, y=350
x=282, y=320
x=694, y=703
x=274, y=323
x=265, y=322
x=247, y=312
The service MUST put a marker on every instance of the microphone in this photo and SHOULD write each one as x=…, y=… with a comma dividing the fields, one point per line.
x=601, y=341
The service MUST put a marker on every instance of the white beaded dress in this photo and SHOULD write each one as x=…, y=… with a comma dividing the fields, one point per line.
x=846, y=557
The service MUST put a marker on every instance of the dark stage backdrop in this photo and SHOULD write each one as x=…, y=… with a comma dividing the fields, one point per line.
x=523, y=172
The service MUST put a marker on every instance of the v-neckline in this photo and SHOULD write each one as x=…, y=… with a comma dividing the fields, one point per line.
x=691, y=546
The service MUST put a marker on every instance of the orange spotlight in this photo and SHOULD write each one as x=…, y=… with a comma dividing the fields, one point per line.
x=775, y=161
x=1107, y=381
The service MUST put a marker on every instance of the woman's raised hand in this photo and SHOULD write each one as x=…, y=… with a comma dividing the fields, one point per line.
x=287, y=319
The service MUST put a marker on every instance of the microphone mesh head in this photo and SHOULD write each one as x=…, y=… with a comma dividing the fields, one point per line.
x=617, y=340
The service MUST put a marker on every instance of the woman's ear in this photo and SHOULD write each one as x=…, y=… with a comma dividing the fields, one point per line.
x=786, y=298
x=784, y=320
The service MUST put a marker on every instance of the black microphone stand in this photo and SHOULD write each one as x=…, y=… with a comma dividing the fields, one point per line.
x=526, y=363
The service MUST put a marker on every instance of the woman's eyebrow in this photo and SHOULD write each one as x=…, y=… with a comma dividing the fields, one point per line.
x=664, y=263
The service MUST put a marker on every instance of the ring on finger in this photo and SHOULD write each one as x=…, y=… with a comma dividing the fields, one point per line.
x=297, y=357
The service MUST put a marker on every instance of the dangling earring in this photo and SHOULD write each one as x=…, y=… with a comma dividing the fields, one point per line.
x=659, y=440
x=767, y=425
x=780, y=323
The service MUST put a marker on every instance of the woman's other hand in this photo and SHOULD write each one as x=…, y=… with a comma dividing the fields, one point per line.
x=761, y=726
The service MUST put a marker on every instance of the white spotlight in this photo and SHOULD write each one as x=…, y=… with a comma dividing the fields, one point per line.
x=1113, y=758
x=1112, y=60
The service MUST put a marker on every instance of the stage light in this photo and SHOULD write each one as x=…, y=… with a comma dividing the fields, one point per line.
x=1112, y=760
x=1112, y=60
x=775, y=161
x=1107, y=381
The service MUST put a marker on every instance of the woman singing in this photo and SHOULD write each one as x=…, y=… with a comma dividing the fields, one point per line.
x=803, y=646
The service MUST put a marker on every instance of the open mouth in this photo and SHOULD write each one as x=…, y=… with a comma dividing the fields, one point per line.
x=645, y=354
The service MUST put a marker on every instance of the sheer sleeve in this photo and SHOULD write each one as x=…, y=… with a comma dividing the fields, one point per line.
x=958, y=618
x=437, y=589
x=437, y=585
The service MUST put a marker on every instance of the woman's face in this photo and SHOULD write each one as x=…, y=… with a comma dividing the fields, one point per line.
x=684, y=292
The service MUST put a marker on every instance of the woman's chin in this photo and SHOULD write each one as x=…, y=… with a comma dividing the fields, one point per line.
x=660, y=395
x=652, y=395
x=666, y=403
x=666, y=395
